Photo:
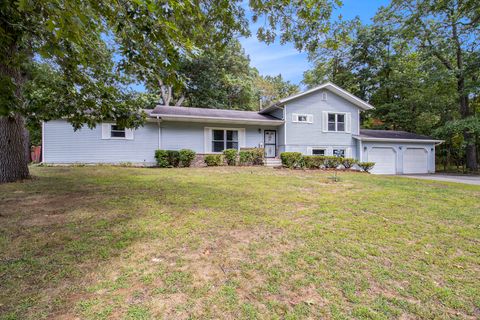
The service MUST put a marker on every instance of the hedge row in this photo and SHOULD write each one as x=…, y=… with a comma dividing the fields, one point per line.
x=174, y=159
x=232, y=157
x=295, y=160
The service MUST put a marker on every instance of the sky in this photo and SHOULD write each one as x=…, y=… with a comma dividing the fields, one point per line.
x=277, y=59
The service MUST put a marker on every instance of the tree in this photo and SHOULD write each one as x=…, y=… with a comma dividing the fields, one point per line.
x=78, y=40
x=273, y=88
x=447, y=30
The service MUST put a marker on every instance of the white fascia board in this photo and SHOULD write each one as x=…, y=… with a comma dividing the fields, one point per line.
x=365, y=139
x=218, y=120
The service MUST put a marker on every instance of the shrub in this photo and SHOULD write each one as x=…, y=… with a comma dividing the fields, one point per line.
x=332, y=162
x=245, y=157
x=186, y=157
x=257, y=156
x=162, y=158
x=230, y=156
x=314, y=162
x=366, y=166
x=292, y=159
x=347, y=163
x=213, y=160
x=173, y=158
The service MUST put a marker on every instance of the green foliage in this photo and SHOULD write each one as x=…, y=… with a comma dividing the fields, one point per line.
x=347, y=163
x=292, y=160
x=332, y=162
x=314, y=162
x=230, y=156
x=213, y=160
x=162, y=158
x=245, y=157
x=366, y=166
x=186, y=157
x=252, y=156
x=173, y=157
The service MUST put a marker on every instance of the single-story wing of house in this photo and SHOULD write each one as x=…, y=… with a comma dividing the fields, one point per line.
x=321, y=121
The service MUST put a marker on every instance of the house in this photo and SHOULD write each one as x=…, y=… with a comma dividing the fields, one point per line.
x=321, y=121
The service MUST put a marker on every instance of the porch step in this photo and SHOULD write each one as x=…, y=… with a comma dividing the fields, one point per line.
x=272, y=162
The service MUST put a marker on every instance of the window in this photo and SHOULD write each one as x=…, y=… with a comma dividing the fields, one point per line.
x=224, y=139
x=336, y=122
x=117, y=131
x=318, y=152
x=305, y=118
x=339, y=153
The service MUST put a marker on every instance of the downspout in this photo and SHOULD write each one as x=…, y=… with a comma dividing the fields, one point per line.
x=159, y=132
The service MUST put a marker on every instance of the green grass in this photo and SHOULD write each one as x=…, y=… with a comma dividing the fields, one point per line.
x=236, y=243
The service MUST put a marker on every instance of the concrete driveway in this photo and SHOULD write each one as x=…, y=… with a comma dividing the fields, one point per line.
x=467, y=179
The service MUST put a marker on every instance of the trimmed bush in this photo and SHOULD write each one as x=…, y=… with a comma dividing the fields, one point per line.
x=292, y=159
x=230, y=156
x=173, y=158
x=186, y=157
x=366, y=166
x=332, y=162
x=213, y=160
x=347, y=163
x=162, y=158
x=314, y=162
x=245, y=157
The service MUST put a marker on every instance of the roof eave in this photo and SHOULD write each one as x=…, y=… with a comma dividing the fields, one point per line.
x=397, y=140
x=166, y=117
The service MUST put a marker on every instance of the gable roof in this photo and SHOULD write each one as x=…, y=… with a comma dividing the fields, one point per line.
x=192, y=114
x=391, y=135
x=328, y=86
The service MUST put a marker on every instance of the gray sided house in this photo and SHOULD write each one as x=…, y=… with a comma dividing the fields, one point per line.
x=322, y=121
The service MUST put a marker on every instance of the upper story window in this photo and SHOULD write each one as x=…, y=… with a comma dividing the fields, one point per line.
x=224, y=139
x=117, y=132
x=336, y=122
x=304, y=118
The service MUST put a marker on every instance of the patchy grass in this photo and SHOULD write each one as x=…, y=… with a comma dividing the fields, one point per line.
x=236, y=243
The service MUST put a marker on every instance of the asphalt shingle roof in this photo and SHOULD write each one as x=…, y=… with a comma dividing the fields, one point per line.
x=390, y=134
x=212, y=113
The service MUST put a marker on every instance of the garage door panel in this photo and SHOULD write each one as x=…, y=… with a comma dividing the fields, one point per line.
x=385, y=160
x=415, y=160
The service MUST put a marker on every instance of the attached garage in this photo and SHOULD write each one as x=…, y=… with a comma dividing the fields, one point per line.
x=397, y=152
x=415, y=160
x=385, y=159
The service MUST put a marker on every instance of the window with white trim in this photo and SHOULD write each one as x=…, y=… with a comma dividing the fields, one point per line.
x=117, y=132
x=336, y=122
x=318, y=152
x=304, y=118
x=224, y=139
x=339, y=153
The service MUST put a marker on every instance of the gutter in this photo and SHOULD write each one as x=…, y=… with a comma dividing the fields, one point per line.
x=195, y=118
x=437, y=142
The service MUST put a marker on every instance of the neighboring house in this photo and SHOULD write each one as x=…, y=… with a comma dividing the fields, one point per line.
x=322, y=121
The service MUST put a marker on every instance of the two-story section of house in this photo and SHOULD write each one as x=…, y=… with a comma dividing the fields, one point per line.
x=321, y=121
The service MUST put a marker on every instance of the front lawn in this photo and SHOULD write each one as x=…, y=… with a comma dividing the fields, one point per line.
x=252, y=243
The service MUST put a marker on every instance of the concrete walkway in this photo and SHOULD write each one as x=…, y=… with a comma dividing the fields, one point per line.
x=467, y=179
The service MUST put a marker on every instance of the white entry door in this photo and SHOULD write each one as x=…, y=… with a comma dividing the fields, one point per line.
x=385, y=160
x=415, y=160
x=270, y=143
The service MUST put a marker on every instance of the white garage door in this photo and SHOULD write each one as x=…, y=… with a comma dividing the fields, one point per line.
x=415, y=160
x=385, y=160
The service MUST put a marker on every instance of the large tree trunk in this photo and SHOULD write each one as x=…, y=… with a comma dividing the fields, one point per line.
x=13, y=162
x=470, y=150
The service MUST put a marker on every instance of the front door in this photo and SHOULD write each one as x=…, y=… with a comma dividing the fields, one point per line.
x=270, y=143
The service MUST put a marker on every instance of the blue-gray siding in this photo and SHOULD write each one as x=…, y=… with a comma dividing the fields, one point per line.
x=302, y=136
